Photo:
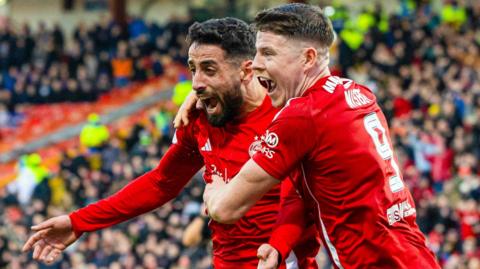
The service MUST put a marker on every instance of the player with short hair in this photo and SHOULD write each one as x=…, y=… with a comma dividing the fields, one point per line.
x=333, y=130
x=236, y=111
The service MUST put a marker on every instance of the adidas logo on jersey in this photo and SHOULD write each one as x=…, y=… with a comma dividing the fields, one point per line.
x=207, y=146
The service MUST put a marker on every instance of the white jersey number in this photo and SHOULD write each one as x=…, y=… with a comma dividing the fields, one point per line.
x=377, y=132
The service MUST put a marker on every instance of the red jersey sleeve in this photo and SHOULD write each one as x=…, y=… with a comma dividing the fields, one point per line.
x=291, y=220
x=144, y=193
x=286, y=142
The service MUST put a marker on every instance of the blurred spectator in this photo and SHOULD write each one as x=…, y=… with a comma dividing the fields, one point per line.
x=122, y=66
x=162, y=120
x=94, y=134
x=181, y=89
x=42, y=67
x=423, y=65
x=31, y=182
x=428, y=85
x=153, y=240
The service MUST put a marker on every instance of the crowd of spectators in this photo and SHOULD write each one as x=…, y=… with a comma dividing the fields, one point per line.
x=46, y=66
x=151, y=241
x=425, y=72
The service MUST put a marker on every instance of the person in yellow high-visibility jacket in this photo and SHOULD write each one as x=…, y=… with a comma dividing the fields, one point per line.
x=34, y=163
x=31, y=173
x=454, y=14
x=181, y=90
x=94, y=134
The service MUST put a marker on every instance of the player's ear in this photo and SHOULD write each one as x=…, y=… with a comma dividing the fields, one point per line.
x=246, y=73
x=310, y=55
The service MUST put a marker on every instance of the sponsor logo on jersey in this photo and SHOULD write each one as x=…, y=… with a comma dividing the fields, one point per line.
x=267, y=152
x=216, y=171
x=356, y=99
x=257, y=146
x=254, y=147
x=270, y=138
x=399, y=211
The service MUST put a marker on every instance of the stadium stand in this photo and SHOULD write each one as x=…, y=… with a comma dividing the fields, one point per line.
x=423, y=64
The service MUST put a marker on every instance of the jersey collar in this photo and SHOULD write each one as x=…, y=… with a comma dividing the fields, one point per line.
x=316, y=85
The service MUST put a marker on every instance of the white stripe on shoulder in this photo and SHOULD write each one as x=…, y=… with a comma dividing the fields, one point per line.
x=286, y=105
x=175, y=140
x=346, y=82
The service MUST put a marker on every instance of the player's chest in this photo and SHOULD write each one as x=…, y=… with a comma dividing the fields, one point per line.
x=224, y=152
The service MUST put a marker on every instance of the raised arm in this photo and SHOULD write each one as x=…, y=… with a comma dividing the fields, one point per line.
x=143, y=194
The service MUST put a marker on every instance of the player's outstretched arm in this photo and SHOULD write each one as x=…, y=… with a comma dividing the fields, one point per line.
x=227, y=203
x=50, y=239
x=181, y=119
x=141, y=195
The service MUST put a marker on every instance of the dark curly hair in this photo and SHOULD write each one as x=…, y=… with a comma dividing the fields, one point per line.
x=298, y=21
x=234, y=36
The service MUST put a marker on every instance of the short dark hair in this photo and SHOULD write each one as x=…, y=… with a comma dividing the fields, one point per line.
x=298, y=21
x=234, y=36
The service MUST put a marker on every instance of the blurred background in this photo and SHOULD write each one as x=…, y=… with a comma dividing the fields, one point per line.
x=88, y=89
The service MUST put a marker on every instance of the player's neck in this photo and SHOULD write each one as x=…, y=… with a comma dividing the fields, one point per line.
x=312, y=78
x=254, y=95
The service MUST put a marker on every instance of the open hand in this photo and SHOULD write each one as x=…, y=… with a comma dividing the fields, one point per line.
x=50, y=239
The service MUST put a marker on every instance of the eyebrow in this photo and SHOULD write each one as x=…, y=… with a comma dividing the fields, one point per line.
x=208, y=62
x=264, y=48
x=203, y=63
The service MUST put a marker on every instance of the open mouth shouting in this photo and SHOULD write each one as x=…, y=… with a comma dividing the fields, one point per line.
x=211, y=104
x=267, y=83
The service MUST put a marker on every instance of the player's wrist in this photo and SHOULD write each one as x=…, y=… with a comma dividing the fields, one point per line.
x=281, y=247
x=78, y=232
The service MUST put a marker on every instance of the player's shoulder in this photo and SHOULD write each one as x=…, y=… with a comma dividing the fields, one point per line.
x=332, y=84
x=349, y=84
x=195, y=121
x=296, y=109
x=329, y=89
x=357, y=96
x=189, y=132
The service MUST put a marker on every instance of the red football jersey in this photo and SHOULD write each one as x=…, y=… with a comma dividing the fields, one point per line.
x=224, y=151
x=350, y=176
